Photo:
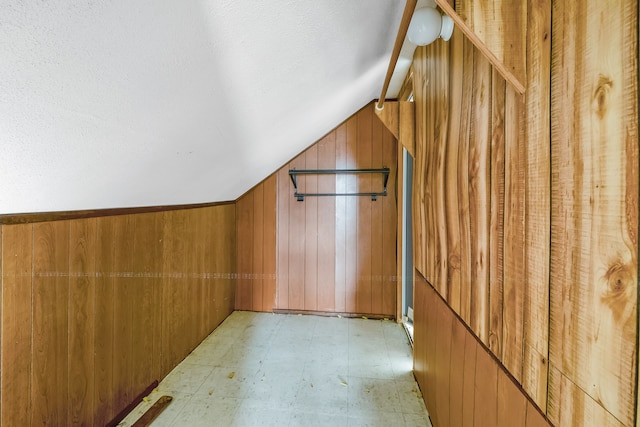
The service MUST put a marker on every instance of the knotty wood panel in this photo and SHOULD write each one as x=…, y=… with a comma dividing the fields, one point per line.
x=462, y=383
x=594, y=212
x=561, y=295
x=334, y=254
x=494, y=179
x=83, y=321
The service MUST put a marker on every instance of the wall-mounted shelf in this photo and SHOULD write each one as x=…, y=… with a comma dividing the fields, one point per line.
x=293, y=173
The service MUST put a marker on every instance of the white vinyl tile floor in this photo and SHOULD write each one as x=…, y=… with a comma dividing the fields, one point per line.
x=262, y=369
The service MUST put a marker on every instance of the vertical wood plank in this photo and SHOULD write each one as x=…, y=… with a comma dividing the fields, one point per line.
x=497, y=215
x=443, y=362
x=270, y=221
x=420, y=342
x=534, y=418
x=479, y=196
x=82, y=268
x=145, y=262
x=377, y=129
x=486, y=390
x=594, y=218
x=569, y=405
x=284, y=196
x=297, y=242
x=364, y=249
x=326, y=234
x=420, y=79
x=514, y=234
x=245, y=231
x=50, y=305
x=538, y=202
x=123, y=312
x=257, y=270
x=103, y=392
x=390, y=257
x=430, y=337
x=463, y=182
x=341, y=221
x=512, y=404
x=1, y=286
x=469, y=380
x=456, y=372
x=440, y=77
x=311, y=232
x=451, y=171
x=352, y=215
x=17, y=253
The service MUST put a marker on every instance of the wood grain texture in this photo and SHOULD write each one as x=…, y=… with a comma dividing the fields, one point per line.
x=245, y=230
x=364, y=247
x=389, y=214
x=442, y=368
x=512, y=404
x=1, y=286
x=514, y=235
x=538, y=202
x=93, y=331
x=334, y=254
x=456, y=374
x=390, y=117
x=270, y=246
x=486, y=390
x=310, y=223
x=50, y=305
x=82, y=251
x=594, y=212
x=479, y=196
x=103, y=393
x=462, y=383
x=496, y=220
x=17, y=256
x=496, y=232
x=258, y=249
x=569, y=405
x=452, y=156
x=512, y=31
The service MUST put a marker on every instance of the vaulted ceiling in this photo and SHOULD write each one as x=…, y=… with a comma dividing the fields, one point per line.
x=107, y=104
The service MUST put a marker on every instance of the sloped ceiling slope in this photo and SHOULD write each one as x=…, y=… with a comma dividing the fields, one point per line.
x=107, y=104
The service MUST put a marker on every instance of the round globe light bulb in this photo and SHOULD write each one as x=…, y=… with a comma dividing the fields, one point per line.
x=427, y=25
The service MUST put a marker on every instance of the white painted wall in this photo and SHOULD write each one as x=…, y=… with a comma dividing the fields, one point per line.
x=107, y=104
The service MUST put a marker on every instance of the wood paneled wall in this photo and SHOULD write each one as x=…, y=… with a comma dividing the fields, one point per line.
x=94, y=310
x=463, y=384
x=525, y=207
x=256, y=243
x=594, y=216
x=333, y=254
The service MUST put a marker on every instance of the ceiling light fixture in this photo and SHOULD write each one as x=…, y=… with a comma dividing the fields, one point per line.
x=427, y=24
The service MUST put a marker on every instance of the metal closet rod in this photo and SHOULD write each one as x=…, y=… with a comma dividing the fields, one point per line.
x=300, y=196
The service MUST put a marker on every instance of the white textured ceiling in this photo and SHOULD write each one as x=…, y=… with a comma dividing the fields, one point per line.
x=114, y=103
